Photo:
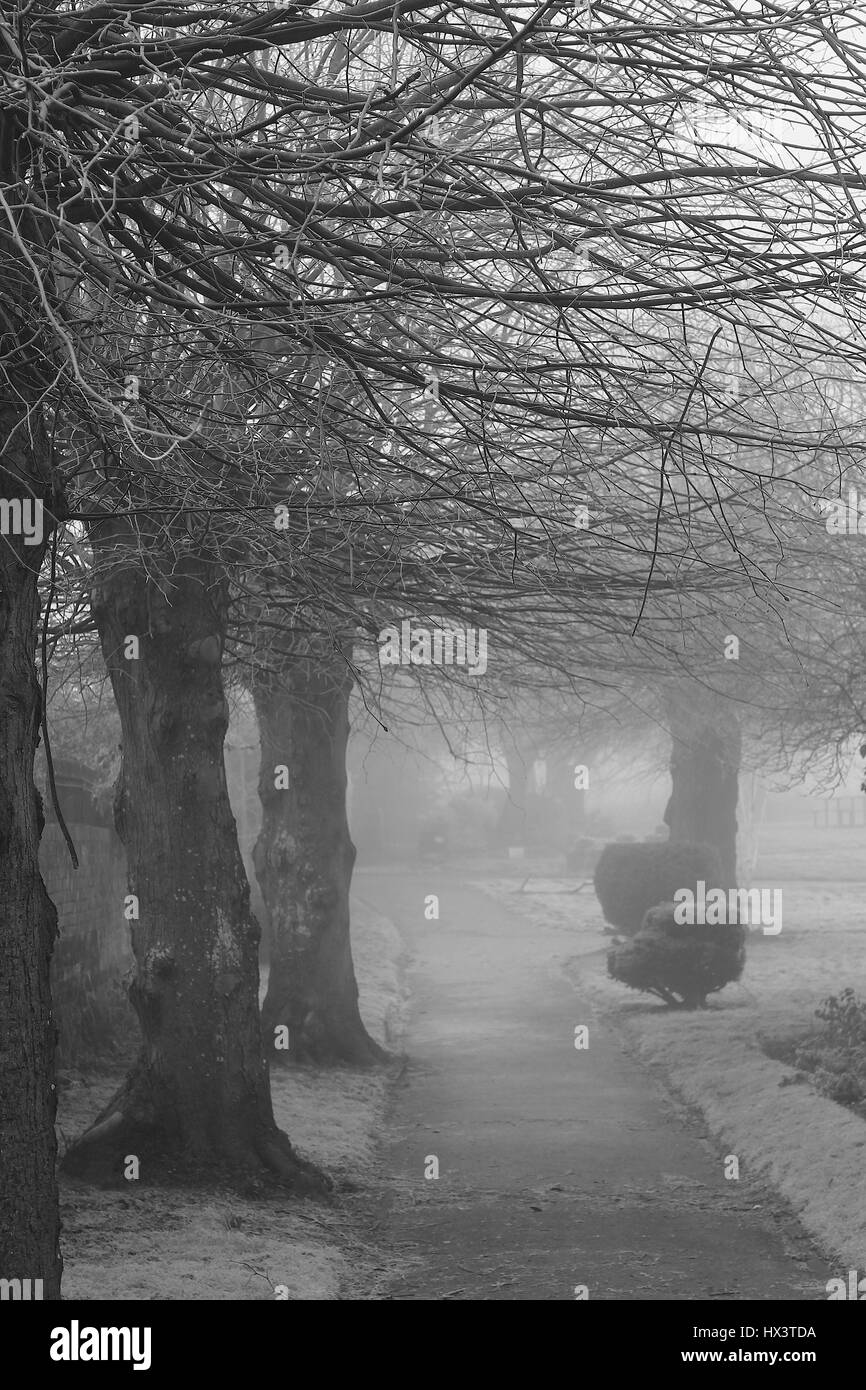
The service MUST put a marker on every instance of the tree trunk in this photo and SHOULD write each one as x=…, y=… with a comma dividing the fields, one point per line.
x=198, y=1099
x=514, y=818
x=569, y=801
x=705, y=765
x=304, y=858
x=29, y=1215
x=29, y=1211
x=752, y=804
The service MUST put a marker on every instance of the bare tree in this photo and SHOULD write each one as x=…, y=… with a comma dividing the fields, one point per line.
x=535, y=267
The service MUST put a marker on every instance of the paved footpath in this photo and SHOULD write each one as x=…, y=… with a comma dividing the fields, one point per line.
x=557, y=1167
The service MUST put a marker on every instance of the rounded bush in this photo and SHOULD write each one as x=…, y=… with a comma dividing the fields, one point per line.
x=630, y=879
x=681, y=964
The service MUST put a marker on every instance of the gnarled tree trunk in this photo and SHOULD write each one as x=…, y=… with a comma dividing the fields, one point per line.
x=29, y=1215
x=198, y=1097
x=304, y=857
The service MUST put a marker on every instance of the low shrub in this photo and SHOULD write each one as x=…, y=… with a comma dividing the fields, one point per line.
x=835, y=1056
x=681, y=964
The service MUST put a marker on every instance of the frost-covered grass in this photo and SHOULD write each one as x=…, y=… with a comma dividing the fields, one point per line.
x=811, y=1148
x=176, y=1243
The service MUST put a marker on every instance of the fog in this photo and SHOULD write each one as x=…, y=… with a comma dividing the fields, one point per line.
x=432, y=703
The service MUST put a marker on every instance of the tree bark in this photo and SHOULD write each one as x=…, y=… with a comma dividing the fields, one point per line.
x=198, y=1099
x=705, y=765
x=304, y=858
x=29, y=1210
x=29, y=1213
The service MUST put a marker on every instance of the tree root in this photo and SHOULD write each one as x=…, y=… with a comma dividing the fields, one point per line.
x=249, y=1157
x=319, y=1042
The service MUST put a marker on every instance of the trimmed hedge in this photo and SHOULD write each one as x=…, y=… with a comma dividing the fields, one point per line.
x=681, y=964
x=630, y=879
